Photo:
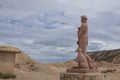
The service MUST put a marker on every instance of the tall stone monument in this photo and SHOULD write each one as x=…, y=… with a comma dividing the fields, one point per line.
x=85, y=63
x=86, y=68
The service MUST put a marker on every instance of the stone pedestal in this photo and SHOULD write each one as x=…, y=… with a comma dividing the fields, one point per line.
x=82, y=76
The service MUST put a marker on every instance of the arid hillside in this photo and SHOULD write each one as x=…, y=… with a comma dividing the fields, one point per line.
x=106, y=58
x=112, y=56
x=25, y=63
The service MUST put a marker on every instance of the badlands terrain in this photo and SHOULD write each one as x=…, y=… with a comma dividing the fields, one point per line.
x=28, y=69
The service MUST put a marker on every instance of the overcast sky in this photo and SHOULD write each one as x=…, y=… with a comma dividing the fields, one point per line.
x=46, y=29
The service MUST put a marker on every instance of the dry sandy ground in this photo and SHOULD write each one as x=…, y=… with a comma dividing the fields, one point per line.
x=25, y=75
x=47, y=74
x=22, y=75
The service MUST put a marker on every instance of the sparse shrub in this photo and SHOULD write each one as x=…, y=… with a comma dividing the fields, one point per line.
x=7, y=76
x=32, y=65
x=28, y=63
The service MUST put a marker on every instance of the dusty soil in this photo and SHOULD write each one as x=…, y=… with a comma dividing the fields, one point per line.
x=22, y=75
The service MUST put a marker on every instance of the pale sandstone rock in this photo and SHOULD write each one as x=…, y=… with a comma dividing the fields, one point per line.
x=7, y=59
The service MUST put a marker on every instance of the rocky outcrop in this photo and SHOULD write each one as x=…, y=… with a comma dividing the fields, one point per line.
x=6, y=48
x=7, y=59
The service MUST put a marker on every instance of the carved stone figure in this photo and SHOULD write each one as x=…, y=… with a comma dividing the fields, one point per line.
x=83, y=34
x=82, y=44
x=85, y=63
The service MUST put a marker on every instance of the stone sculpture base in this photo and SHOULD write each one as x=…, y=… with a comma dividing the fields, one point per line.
x=82, y=70
x=82, y=76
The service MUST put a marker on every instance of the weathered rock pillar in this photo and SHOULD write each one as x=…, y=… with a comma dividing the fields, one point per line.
x=7, y=59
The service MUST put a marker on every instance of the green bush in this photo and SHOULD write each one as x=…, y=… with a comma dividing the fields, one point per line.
x=7, y=76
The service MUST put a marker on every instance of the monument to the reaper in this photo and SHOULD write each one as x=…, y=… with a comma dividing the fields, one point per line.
x=85, y=63
x=86, y=68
